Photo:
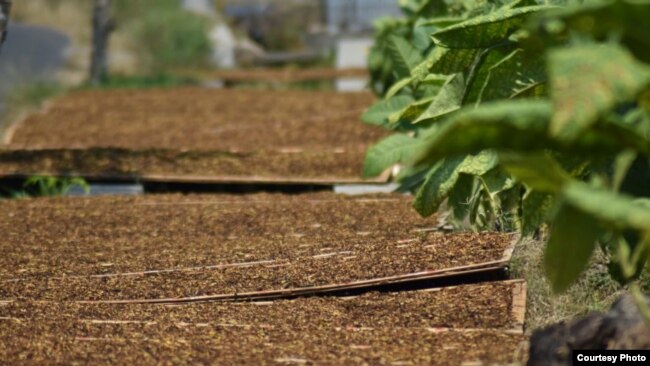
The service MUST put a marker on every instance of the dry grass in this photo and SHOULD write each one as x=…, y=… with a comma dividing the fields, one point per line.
x=594, y=291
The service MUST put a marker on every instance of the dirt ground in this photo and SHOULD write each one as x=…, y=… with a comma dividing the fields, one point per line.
x=446, y=326
x=172, y=246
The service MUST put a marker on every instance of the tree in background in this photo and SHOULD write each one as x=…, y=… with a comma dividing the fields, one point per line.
x=102, y=27
x=5, y=7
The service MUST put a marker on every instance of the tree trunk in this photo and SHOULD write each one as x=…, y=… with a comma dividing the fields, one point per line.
x=5, y=7
x=102, y=28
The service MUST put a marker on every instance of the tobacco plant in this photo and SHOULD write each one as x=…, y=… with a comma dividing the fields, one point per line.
x=520, y=114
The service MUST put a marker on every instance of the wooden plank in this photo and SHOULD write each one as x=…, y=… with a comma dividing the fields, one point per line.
x=204, y=179
x=287, y=75
x=519, y=305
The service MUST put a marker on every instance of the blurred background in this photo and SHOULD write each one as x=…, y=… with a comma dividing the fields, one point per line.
x=156, y=42
x=50, y=42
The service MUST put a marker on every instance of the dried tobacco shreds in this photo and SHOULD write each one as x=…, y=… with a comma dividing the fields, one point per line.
x=222, y=135
x=372, y=328
x=231, y=244
x=472, y=306
x=326, y=166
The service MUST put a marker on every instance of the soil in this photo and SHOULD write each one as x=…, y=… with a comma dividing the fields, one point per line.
x=287, y=75
x=221, y=135
x=447, y=327
x=98, y=248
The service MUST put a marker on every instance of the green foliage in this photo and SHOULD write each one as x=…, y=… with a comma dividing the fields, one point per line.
x=380, y=113
x=486, y=30
x=52, y=186
x=570, y=245
x=38, y=186
x=442, y=178
x=580, y=102
x=172, y=38
x=524, y=113
x=389, y=151
x=405, y=57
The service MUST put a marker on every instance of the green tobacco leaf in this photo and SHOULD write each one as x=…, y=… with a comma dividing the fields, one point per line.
x=448, y=100
x=441, y=22
x=480, y=163
x=412, y=112
x=440, y=181
x=487, y=30
x=460, y=196
x=389, y=151
x=379, y=113
x=480, y=71
x=447, y=61
x=405, y=57
x=536, y=207
x=437, y=186
x=571, y=242
x=421, y=31
x=537, y=170
x=431, y=85
x=508, y=125
x=589, y=81
x=424, y=27
x=397, y=87
x=612, y=208
x=601, y=19
x=512, y=77
x=611, y=138
x=520, y=125
x=497, y=180
x=621, y=166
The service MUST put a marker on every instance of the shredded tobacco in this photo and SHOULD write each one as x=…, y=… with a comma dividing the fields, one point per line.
x=195, y=131
x=447, y=327
x=116, y=248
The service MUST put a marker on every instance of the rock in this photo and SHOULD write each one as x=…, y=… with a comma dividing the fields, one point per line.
x=623, y=327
